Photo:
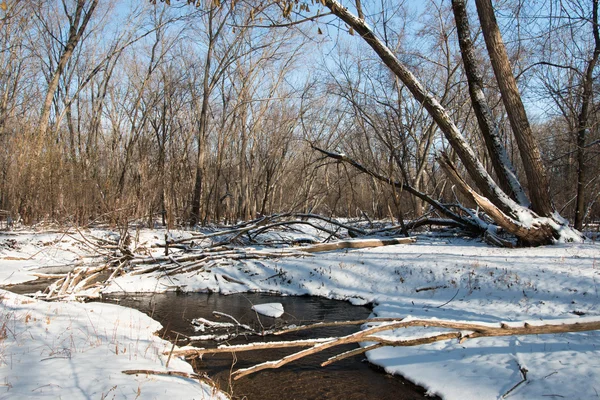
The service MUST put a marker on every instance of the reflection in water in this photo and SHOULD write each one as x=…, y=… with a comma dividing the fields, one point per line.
x=303, y=379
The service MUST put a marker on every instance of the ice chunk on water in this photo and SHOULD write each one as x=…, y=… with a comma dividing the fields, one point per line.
x=274, y=310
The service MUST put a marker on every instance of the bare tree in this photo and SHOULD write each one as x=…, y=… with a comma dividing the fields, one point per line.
x=78, y=20
x=488, y=127
x=513, y=217
x=583, y=119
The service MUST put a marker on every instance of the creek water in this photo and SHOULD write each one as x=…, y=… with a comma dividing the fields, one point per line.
x=352, y=378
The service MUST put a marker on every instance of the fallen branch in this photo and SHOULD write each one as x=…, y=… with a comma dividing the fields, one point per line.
x=459, y=330
x=295, y=222
x=236, y=232
x=463, y=222
x=334, y=324
x=356, y=244
x=424, y=289
x=199, y=351
x=167, y=373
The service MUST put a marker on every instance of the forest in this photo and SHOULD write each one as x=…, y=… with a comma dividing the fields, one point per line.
x=196, y=191
x=216, y=112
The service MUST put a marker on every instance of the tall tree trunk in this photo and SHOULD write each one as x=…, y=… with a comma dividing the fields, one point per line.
x=519, y=220
x=196, y=216
x=476, y=170
x=77, y=26
x=583, y=121
x=539, y=189
x=489, y=129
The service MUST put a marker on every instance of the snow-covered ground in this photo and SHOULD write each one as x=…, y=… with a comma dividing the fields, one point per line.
x=77, y=350
x=449, y=278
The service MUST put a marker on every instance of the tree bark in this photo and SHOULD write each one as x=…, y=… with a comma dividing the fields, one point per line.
x=539, y=189
x=530, y=234
x=583, y=121
x=489, y=129
x=195, y=216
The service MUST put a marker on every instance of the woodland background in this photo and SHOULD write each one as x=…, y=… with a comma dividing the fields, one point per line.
x=183, y=114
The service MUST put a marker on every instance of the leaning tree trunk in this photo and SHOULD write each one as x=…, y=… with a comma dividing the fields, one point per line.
x=507, y=178
x=440, y=115
x=523, y=222
x=539, y=189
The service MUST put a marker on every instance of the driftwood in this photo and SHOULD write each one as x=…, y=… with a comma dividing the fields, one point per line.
x=208, y=258
x=78, y=279
x=458, y=330
x=357, y=244
x=199, y=253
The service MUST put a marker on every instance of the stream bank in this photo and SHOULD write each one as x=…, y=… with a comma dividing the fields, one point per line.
x=352, y=378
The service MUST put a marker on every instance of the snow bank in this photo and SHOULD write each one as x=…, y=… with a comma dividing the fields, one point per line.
x=77, y=351
x=446, y=278
x=450, y=278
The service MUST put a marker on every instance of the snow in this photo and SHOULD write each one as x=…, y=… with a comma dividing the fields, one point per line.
x=78, y=351
x=274, y=310
x=457, y=279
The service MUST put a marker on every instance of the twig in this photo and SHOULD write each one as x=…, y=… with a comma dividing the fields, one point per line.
x=524, y=372
x=171, y=352
x=238, y=323
x=453, y=297
x=430, y=288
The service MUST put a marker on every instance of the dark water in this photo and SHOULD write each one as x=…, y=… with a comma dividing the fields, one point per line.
x=304, y=379
x=29, y=287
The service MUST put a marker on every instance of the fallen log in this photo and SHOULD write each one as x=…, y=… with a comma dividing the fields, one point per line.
x=478, y=330
x=356, y=244
x=458, y=330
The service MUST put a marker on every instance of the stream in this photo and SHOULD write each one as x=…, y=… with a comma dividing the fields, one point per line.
x=351, y=378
